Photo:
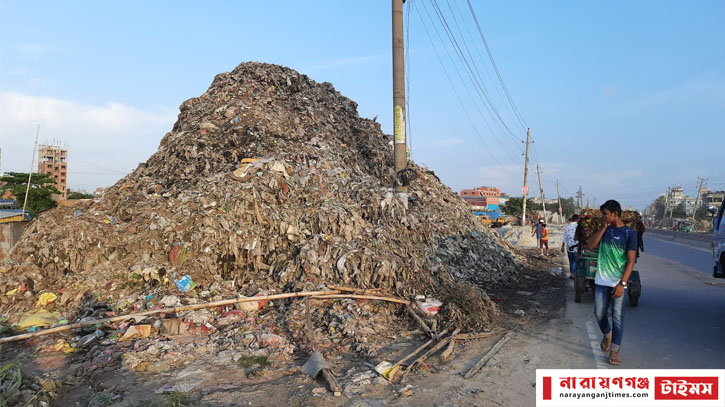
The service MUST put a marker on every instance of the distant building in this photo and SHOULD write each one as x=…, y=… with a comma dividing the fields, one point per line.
x=98, y=193
x=713, y=198
x=482, y=198
x=53, y=160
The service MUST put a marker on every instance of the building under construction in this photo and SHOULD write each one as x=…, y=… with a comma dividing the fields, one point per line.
x=53, y=160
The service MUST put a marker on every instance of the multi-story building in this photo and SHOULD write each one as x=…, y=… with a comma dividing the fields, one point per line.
x=53, y=160
x=714, y=198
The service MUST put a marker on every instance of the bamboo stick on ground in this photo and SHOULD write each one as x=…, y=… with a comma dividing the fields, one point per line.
x=363, y=291
x=164, y=311
x=501, y=342
x=420, y=322
x=363, y=297
x=449, y=350
x=433, y=350
x=415, y=352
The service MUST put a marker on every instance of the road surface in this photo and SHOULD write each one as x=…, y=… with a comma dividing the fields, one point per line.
x=680, y=319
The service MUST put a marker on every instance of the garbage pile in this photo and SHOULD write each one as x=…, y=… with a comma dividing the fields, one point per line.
x=268, y=182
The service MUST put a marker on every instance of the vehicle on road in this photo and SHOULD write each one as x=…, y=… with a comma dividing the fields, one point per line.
x=718, y=242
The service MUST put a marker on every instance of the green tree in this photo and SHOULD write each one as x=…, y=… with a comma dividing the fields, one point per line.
x=702, y=213
x=514, y=206
x=79, y=195
x=660, y=205
x=40, y=194
x=679, y=211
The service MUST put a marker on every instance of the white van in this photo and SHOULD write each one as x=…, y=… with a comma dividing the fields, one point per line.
x=718, y=243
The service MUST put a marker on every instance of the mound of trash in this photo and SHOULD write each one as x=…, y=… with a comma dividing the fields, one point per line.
x=268, y=182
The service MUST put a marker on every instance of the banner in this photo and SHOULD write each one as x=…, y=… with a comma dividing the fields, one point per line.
x=630, y=387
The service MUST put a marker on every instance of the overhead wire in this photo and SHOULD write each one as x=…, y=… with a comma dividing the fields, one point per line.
x=455, y=91
x=467, y=88
x=472, y=73
x=495, y=67
x=479, y=54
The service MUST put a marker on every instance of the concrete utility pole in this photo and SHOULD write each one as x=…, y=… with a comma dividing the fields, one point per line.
x=579, y=198
x=525, y=188
x=558, y=200
x=30, y=175
x=399, y=142
x=699, y=189
x=543, y=199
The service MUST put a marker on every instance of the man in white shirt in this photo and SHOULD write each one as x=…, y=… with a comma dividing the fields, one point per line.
x=571, y=245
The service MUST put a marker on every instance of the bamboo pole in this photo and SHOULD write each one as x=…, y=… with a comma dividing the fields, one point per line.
x=489, y=355
x=162, y=311
x=362, y=291
x=363, y=297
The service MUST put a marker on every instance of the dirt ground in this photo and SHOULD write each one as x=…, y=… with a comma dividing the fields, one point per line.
x=507, y=379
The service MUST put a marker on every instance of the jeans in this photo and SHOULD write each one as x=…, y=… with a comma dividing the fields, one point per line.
x=602, y=300
x=573, y=257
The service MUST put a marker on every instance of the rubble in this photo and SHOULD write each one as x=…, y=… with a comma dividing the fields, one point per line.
x=267, y=183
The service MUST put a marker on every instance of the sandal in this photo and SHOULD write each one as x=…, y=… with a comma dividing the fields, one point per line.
x=614, y=360
x=605, y=343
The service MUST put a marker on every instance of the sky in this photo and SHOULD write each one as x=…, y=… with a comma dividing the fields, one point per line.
x=622, y=98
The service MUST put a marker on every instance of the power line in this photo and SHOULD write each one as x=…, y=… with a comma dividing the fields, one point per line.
x=478, y=85
x=495, y=67
x=460, y=77
x=477, y=73
x=453, y=87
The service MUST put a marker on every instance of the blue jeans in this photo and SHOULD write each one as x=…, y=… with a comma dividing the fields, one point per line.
x=573, y=257
x=602, y=300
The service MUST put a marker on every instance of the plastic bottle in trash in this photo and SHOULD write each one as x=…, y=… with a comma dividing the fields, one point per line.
x=90, y=338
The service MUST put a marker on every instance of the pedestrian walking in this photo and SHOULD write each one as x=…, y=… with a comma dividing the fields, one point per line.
x=536, y=230
x=617, y=254
x=571, y=245
x=544, y=242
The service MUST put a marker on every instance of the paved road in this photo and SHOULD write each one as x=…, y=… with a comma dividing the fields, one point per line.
x=680, y=320
x=695, y=257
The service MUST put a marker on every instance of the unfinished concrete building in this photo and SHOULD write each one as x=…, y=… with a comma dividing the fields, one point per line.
x=53, y=160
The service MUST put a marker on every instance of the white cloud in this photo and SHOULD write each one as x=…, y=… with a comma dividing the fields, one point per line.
x=99, y=138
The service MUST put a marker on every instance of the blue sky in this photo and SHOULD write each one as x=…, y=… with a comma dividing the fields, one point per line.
x=623, y=98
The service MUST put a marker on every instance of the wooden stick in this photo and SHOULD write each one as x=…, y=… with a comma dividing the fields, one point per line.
x=468, y=337
x=434, y=349
x=489, y=355
x=449, y=350
x=363, y=291
x=415, y=352
x=363, y=297
x=420, y=322
x=180, y=308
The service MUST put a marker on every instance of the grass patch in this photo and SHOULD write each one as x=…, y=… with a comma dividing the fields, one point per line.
x=177, y=399
x=103, y=399
x=249, y=361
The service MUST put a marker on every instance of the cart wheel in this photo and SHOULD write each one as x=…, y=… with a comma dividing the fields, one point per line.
x=633, y=300
x=578, y=288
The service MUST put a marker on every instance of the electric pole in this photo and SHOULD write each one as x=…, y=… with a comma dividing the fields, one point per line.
x=399, y=143
x=543, y=199
x=579, y=198
x=30, y=175
x=525, y=188
x=558, y=200
x=699, y=189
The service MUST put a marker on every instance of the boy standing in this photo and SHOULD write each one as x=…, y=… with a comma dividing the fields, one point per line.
x=544, y=240
x=617, y=253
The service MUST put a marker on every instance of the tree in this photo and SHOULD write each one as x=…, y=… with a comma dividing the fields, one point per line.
x=514, y=206
x=679, y=211
x=79, y=195
x=660, y=205
x=40, y=194
x=702, y=213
